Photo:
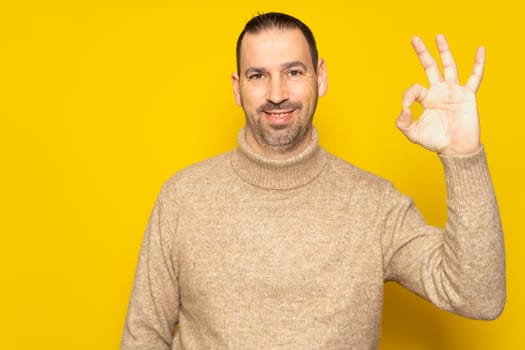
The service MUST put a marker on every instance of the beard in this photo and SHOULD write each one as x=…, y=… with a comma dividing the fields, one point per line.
x=279, y=138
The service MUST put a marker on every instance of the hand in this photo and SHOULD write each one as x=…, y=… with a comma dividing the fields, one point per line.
x=449, y=123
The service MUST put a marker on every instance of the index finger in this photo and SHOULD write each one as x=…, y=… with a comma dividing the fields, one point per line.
x=427, y=61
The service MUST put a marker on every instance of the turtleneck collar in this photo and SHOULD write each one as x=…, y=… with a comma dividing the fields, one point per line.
x=278, y=174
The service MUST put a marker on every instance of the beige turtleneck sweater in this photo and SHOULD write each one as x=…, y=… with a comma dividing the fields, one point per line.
x=245, y=252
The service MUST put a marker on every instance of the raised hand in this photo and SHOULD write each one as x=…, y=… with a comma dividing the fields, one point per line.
x=449, y=123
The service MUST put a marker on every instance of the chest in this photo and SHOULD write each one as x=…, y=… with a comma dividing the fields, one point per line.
x=272, y=246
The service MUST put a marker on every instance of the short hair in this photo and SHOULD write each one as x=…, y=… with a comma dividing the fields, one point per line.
x=276, y=20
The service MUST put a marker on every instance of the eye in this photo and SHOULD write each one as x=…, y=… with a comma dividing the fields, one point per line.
x=255, y=76
x=295, y=73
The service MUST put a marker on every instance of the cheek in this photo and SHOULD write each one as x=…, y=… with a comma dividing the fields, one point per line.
x=252, y=97
x=303, y=91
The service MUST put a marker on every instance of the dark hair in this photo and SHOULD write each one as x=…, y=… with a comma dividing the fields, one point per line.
x=277, y=20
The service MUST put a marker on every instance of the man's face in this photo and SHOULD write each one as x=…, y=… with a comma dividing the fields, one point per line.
x=277, y=87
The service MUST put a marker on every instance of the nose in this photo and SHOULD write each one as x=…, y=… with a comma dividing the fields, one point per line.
x=277, y=90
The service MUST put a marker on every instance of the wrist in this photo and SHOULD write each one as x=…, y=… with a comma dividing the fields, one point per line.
x=463, y=152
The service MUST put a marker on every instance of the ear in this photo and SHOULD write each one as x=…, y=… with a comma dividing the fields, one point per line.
x=236, y=89
x=322, y=78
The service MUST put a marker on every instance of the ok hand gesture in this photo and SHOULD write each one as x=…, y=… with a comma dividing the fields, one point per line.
x=449, y=123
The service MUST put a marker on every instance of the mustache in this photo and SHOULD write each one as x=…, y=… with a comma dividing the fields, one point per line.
x=276, y=106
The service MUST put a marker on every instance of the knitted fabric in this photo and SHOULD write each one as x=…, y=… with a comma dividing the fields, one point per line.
x=244, y=252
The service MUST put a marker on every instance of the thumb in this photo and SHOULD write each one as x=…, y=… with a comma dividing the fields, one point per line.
x=405, y=122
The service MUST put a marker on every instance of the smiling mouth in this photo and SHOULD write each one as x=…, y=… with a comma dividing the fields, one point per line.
x=279, y=114
x=279, y=117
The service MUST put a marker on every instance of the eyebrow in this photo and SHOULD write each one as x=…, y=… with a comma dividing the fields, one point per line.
x=294, y=64
x=285, y=65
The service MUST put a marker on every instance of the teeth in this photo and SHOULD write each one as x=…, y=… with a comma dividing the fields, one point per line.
x=279, y=114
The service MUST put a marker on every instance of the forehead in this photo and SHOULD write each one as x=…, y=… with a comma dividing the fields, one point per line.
x=274, y=47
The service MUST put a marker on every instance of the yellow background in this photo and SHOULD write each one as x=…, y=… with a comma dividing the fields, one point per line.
x=100, y=102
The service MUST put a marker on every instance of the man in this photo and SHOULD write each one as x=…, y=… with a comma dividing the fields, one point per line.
x=280, y=245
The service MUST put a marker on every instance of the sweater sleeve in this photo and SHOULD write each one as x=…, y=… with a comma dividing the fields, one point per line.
x=460, y=268
x=154, y=305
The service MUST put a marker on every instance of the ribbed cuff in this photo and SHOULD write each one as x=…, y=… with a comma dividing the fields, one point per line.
x=467, y=177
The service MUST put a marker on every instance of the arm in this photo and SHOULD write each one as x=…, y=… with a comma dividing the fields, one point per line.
x=460, y=268
x=154, y=305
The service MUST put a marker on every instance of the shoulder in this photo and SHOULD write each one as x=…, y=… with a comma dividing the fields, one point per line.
x=346, y=174
x=349, y=183
x=199, y=175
